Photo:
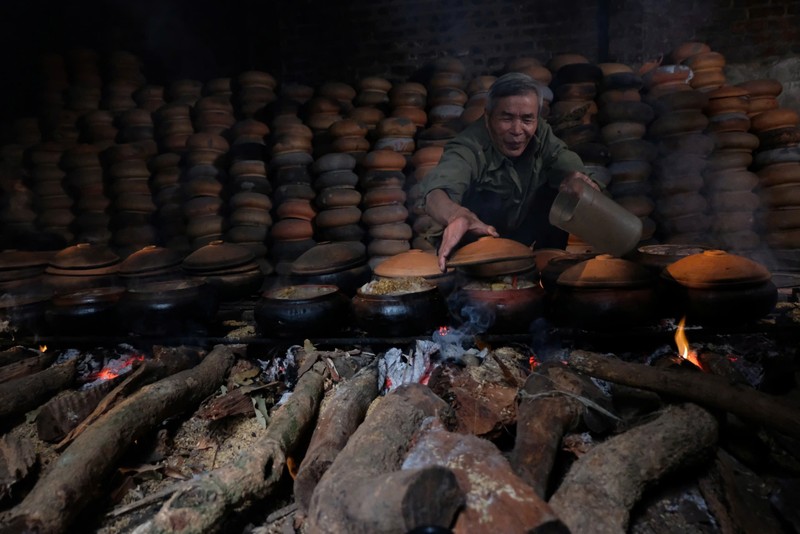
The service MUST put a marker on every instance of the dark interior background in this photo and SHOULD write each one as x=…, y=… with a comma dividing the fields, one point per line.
x=314, y=40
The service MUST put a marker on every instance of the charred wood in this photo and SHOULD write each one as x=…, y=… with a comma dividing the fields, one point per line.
x=23, y=394
x=28, y=363
x=602, y=486
x=76, y=478
x=338, y=419
x=703, y=388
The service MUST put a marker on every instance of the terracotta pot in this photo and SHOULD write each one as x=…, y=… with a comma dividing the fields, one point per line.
x=508, y=305
x=85, y=312
x=168, y=307
x=718, y=288
x=401, y=307
x=605, y=292
x=302, y=310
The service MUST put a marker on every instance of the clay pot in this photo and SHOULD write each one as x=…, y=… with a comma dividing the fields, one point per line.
x=417, y=263
x=21, y=269
x=150, y=264
x=557, y=265
x=492, y=256
x=605, y=292
x=718, y=288
x=399, y=307
x=302, y=310
x=168, y=307
x=657, y=257
x=85, y=312
x=343, y=264
x=82, y=266
x=506, y=304
x=25, y=312
x=229, y=268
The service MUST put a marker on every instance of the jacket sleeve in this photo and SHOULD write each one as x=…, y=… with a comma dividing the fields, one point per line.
x=455, y=171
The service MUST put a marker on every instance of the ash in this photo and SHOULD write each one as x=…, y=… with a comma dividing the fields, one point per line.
x=282, y=369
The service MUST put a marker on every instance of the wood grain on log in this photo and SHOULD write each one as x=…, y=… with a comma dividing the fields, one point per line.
x=30, y=362
x=602, y=486
x=78, y=476
x=23, y=394
x=203, y=504
x=338, y=419
x=703, y=388
x=376, y=449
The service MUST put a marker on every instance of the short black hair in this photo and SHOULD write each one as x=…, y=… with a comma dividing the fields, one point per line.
x=514, y=84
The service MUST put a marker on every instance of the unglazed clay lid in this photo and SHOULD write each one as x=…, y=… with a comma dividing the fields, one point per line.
x=489, y=249
x=217, y=255
x=325, y=258
x=605, y=271
x=84, y=256
x=716, y=269
x=414, y=262
x=148, y=259
x=25, y=259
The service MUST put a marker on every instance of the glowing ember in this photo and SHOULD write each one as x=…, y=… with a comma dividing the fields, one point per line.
x=443, y=330
x=117, y=367
x=42, y=348
x=532, y=362
x=683, y=345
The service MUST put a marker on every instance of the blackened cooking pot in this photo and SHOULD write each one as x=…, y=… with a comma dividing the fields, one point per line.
x=302, y=310
x=399, y=307
x=168, y=307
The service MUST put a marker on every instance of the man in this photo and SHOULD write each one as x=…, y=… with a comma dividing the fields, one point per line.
x=500, y=175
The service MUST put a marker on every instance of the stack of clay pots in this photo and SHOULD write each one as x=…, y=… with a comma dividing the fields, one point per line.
x=728, y=182
x=165, y=175
x=136, y=125
x=173, y=127
x=84, y=178
x=218, y=87
x=534, y=68
x=204, y=177
x=679, y=133
x=97, y=127
x=396, y=134
x=384, y=212
x=349, y=136
x=777, y=164
x=149, y=97
x=446, y=95
x=185, y=91
x=373, y=92
x=128, y=187
x=52, y=201
x=477, y=96
x=423, y=160
x=213, y=114
x=124, y=74
x=763, y=95
x=370, y=117
x=623, y=119
x=707, y=65
x=409, y=100
x=18, y=215
x=337, y=199
x=573, y=112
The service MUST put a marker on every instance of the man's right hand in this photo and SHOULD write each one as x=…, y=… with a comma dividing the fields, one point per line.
x=454, y=232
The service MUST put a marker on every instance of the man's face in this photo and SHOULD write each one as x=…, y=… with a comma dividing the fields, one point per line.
x=513, y=122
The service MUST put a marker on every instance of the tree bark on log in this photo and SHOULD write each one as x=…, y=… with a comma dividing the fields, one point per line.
x=28, y=364
x=602, y=486
x=376, y=448
x=339, y=418
x=203, y=504
x=23, y=394
x=77, y=476
x=702, y=388
x=542, y=421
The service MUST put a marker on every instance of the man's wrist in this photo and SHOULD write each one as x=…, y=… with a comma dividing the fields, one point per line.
x=459, y=213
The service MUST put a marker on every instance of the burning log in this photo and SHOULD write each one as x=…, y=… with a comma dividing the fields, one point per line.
x=339, y=418
x=76, y=477
x=602, y=486
x=549, y=407
x=706, y=389
x=23, y=394
x=28, y=363
x=348, y=497
x=202, y=504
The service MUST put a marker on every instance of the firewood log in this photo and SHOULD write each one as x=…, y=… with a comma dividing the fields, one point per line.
x=29, y=362
x=602, y=486
x=23, y=394
x=339, y=418
x=703, y=388
x=351, y=486
x=78, y=476
x=202, y=504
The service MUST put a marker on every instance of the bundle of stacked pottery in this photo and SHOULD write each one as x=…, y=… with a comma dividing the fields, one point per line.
x=368, y=116
x=149, y=97
x=213, y=114
x=218, y=87
x=18, y=216
x=292, y=232
x=203, y=183
x=707, y=66
x=384, y=211
x=373, y=92
x=678, y=131
x=446, y=96
x=409, y=100
x=573, y=112
x=254, y=90
x=97, y=127
x=349, y=136
x=728, y=182
x=53, y=203
x=185, y=91
x=396, y=134
x=136, y=125
x=534, y=68
x=321, y=112
x=477, y=96
x=620, y=104
x=777, y=165
x=423, y=160
x=84, y=177
x=168, y=196
x=123, y=71
x=337, y=198
x=132, y=202
x=763, y=95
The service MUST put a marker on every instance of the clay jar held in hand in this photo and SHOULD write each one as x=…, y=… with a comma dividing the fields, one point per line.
x=605, y=293
x=719, y=289
x=298, y=311
x=399, y=307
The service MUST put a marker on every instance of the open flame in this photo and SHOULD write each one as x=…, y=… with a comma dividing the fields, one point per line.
x=42, y=348
x=683, y=345
x=533, y=362
x=117, y=367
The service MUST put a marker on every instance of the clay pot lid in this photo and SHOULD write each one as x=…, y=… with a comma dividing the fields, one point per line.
x=542, y=256
x=216, y=256
x=89, y=296
x=488, y=249
x=84, y=256
x=605, y=271
x=148, y=259
x=414, y=262
x=25, y=259
x=325, y=258
x=717, y=269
